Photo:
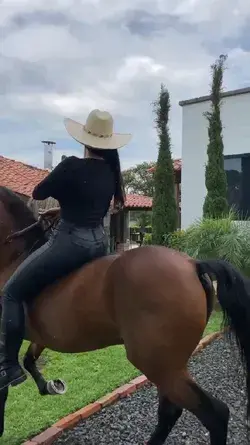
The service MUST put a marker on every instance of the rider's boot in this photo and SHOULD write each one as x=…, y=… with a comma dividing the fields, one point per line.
x=11, y=337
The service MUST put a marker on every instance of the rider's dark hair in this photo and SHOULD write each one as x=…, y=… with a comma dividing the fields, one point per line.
x=113, y=159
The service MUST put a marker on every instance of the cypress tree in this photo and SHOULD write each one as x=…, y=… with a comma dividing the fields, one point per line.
x=164, y=211
x=215, y=204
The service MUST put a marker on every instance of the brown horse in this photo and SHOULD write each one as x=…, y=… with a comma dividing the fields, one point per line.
x=153, y=300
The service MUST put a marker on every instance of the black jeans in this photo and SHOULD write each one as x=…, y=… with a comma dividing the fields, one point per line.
x=67, y=249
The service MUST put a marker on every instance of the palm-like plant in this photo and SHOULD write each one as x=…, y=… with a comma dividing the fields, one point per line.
x=218, y=238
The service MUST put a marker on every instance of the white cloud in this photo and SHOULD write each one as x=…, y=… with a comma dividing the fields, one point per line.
x=37, y=44
x=137, y=66
x=67, y=57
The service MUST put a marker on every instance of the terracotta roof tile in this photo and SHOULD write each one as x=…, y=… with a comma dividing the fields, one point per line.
x=22, y=178
x=138, y=201
x=177, y=166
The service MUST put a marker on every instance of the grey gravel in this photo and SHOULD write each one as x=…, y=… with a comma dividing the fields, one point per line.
x=131, y=420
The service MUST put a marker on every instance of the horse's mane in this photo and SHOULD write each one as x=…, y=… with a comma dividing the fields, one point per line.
x=22, y=216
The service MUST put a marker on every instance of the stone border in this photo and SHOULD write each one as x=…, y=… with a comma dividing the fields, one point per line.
x=48, y=436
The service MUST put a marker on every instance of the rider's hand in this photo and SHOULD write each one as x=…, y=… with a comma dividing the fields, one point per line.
x=114, y=211
x=50, y=213
x=116, y=208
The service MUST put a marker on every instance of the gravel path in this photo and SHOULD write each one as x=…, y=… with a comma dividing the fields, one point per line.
x=131, y=420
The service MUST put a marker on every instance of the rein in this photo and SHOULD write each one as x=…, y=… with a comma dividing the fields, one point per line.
x=22, y=232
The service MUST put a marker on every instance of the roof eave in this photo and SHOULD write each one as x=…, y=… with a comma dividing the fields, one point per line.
x=137, y=208
x=230, y=93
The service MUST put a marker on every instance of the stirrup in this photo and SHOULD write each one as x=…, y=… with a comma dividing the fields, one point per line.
x=12, y=376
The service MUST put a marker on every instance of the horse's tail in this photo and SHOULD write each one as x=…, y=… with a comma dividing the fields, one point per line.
x=233, y=293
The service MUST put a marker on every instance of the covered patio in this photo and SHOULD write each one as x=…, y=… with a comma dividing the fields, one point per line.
x=119, y=224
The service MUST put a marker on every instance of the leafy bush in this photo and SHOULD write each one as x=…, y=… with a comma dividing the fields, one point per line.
x=135, y=228
x=216, y=238
x=147, y=239
x=176, y=240
x=135, y=233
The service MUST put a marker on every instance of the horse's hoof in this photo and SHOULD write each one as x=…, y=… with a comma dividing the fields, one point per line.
x=56, y=387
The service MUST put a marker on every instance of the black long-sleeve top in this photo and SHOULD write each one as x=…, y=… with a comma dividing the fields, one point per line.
x=83, y=187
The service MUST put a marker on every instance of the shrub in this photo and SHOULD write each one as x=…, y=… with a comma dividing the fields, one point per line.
x=216, y=238
x=147, y=239
x=135, y=228
x=176, y=240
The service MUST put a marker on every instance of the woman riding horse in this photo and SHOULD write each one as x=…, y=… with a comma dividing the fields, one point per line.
x=84, y=189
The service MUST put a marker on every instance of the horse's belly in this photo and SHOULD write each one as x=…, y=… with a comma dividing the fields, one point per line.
x=71, y=336
x=73, y=317
x=74, y=344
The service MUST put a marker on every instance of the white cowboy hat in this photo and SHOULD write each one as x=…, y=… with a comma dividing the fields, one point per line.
x=97, y=131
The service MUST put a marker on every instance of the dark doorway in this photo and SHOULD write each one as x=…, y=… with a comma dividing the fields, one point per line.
x=237, y=169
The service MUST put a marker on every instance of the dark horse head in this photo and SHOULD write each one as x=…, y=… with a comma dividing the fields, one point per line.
x=19, y=217
x=14, y=217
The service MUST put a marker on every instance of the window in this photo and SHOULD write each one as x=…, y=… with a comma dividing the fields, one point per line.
x=237, y=169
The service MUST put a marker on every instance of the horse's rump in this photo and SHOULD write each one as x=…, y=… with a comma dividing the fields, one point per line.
x=157, y=297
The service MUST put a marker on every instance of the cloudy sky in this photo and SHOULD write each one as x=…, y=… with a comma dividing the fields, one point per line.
x=65, y=59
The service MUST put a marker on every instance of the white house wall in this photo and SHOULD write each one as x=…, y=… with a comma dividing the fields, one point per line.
x=235, y=115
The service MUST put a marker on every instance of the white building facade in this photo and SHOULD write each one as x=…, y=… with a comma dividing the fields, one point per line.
x=235, y=115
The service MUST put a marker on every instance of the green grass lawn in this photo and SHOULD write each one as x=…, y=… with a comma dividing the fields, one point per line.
x=88, y=376
x=214, y=323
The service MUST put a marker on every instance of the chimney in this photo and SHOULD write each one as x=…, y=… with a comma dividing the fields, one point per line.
x=48, y=154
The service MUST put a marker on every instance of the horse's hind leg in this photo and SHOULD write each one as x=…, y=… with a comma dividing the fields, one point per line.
x=183, y=392
x=213, y=414
x=52, y=387
x=168, y=414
